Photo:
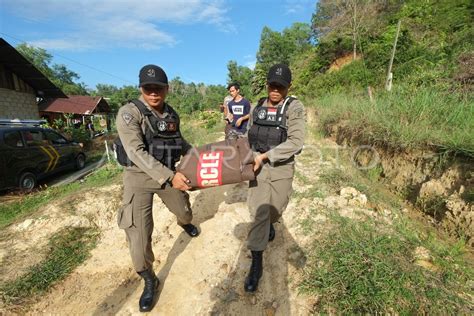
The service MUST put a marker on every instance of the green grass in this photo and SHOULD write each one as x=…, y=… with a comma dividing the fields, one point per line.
x=335, y=179
x=373, y=174
x=468, y=195
x=313, y=192
x=364, y=267
x=406, y=117
x=200, y=128
x=68, y=249
x=332, y=180
x=434, y=206
x=306, y=226
x=301, y=177
x=309, y=192
x=367, y=266
x=28, y=204
x=94, y=155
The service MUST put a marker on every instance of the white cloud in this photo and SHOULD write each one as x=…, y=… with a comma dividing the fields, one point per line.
x=251, y=64
x=62, y=44
x=116, y=23
x=296, y=6
x=250, y=61
x=130, y=34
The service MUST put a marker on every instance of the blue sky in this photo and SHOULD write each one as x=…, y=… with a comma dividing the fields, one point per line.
x=108, y=41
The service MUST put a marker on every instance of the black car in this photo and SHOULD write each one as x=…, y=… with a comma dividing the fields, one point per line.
x=29, y=153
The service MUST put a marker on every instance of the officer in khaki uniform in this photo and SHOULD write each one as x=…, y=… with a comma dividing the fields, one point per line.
x=149, y=132
x=276, y=135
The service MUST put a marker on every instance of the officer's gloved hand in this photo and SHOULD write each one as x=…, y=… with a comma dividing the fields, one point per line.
x=180, y=182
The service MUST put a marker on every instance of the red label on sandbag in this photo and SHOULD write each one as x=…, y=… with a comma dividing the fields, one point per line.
x=209, y=169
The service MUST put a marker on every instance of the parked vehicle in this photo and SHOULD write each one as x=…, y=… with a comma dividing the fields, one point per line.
x=29, y=153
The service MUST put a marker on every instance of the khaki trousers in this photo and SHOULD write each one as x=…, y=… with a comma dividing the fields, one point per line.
x=268, y=197
x=136, y=217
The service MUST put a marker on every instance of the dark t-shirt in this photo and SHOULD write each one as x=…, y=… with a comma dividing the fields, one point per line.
x=239, y=109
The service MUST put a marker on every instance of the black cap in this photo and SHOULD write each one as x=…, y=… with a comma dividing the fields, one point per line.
x=152, y=74
x=281, y=74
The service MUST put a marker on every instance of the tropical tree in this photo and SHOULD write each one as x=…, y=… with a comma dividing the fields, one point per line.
x=38, y=57
x=276, y=47
x=241, y=75
x=344, y=18
x=59, y=74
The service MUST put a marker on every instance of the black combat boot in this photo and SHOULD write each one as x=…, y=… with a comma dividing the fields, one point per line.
x=191, y=230
x=251, y=282
x=147, y=299
x=271, y=236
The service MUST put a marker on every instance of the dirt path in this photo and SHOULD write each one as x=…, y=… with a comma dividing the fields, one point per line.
x=200, y=276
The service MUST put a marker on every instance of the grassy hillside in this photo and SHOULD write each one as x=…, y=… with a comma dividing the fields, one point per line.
x=431, y=102
x=404, y=117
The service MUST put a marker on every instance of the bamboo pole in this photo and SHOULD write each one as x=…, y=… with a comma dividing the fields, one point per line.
x=388, y=82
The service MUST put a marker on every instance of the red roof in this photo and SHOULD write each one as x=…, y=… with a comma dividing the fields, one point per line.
x=77, y=104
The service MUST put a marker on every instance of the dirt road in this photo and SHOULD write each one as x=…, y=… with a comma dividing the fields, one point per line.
x=198, y=276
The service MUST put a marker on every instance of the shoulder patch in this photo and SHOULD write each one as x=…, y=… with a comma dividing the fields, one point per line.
x=299, y=113
x=127, y=117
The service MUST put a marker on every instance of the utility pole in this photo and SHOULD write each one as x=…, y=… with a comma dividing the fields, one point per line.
x=388, y=83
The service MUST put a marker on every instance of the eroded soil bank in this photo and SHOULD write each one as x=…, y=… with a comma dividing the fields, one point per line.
x=439, y=184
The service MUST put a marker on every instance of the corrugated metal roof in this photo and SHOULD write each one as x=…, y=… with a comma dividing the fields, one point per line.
x=77, y=104
x=18, y=64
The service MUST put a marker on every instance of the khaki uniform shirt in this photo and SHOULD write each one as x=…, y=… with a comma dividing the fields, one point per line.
x=131, y=125
x=280, y=164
